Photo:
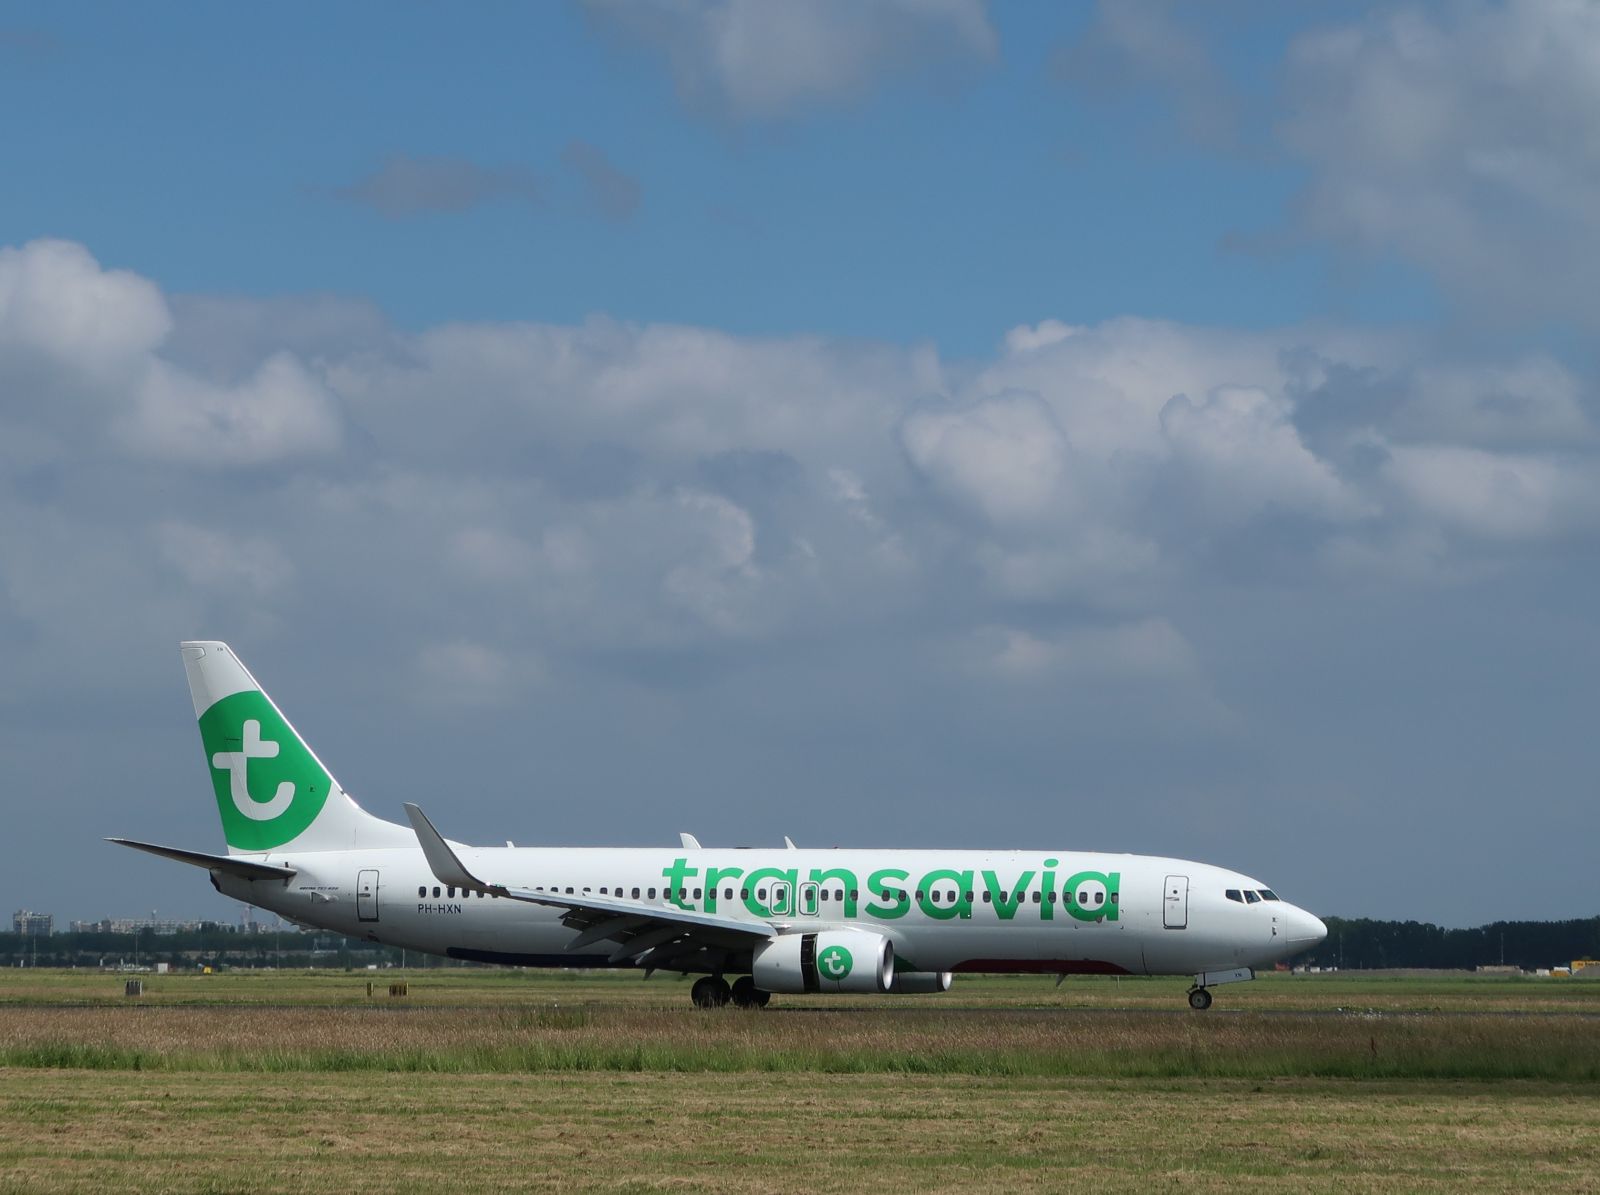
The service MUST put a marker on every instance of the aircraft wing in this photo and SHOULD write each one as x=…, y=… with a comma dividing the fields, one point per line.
x=647, y=934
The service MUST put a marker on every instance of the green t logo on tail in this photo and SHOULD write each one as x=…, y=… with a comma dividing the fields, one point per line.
x=269, y=787
x=834, y=964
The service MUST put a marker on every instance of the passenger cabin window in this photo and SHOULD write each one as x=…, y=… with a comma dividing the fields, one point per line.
x=1233, y=894
x=436, y=892
x=635, y=894
x=652, y=894
x=422, y=891
x=1251, y=898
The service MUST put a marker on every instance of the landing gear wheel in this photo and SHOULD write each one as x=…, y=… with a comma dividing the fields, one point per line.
x=747, y=995
x=709, y=991
x=1199, y=999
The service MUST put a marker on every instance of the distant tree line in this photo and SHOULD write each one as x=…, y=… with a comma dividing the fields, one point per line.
x=215, y=946
x=1359, y=944
x=1364, y=944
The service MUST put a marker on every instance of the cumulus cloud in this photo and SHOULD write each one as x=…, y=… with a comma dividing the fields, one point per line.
x=1003, y=455
x=1240, y=451
x=765, y=59
x=56, y=301
x=82, y=359
x=641, y=494
x=1459, y=138
x=413, y=185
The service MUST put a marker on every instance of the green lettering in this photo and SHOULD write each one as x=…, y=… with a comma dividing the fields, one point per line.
x=715, y=876
x=961, y=907
x=761, y=875
x=847, y=877
x=1006, y=900
x=878, y=883
x=1101, y=895
x=1047, y=911
x=675, y=876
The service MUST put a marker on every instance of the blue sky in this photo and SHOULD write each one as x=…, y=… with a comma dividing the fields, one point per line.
x=948, y=209
x=1134, y=426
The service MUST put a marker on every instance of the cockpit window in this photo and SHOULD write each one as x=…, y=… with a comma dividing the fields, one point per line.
x=1269, y=894
x=1252, y=898
x=1233, y=894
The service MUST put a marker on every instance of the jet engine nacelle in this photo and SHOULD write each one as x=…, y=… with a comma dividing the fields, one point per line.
x=917, y=983
x=840, y=960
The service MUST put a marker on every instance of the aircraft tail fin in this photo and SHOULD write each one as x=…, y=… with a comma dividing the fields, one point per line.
x=272, y=791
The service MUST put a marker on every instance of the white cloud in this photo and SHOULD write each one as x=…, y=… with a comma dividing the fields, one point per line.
x=765, y=59
x=1150, y=649
x=279, y=411
x=1003, y=455
x=1243, y=456
x=1498, y=495
x=1460, y=138
x=55, y=300
x=653, y=492
x=82, y=366
x=246, y=566
x=460, y=672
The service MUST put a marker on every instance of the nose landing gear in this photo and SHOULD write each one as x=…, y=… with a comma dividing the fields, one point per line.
x=1200, y=997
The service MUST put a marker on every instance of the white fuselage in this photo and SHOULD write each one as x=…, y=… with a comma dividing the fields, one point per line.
x=977, y=911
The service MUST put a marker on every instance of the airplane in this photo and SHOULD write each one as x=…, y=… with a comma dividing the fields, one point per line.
x=787, y=920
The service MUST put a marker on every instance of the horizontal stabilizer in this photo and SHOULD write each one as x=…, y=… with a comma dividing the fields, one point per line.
x=231, y=864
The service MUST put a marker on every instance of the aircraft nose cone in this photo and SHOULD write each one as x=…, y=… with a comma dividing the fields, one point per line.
x=1304, y=928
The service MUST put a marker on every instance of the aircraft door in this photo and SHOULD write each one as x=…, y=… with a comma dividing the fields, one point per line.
x=809, y=902
x=1175, y=903
x=781, y=902
x=367, y=896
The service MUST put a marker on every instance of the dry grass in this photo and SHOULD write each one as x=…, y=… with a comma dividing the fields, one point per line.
x=481, y=987
x=481, y=1080
x=500, y=1039
x=70, y=1131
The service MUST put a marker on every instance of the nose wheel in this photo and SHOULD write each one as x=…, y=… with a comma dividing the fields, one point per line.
x=1199, y=999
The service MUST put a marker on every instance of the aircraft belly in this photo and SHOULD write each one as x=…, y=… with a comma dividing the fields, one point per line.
x=1098, y=947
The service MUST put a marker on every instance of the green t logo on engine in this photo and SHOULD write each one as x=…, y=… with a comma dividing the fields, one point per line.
x=834, y=963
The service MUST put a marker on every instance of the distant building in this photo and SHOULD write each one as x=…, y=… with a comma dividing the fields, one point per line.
x=37, y=925
x=135, y=925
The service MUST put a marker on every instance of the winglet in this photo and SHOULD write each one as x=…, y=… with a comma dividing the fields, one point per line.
x=442, y=861
x=789, y=843
x=690, y=842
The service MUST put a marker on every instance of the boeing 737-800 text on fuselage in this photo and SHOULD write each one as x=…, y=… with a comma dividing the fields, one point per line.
x=788, y=920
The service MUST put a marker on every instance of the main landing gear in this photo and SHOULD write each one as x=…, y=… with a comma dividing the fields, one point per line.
x=1199, y=999
x=712, y=991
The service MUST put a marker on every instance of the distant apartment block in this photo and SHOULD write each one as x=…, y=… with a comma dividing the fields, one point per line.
x=33, y=924
x=136, y=925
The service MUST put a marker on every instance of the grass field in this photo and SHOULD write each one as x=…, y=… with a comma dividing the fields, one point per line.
x=266, y=1082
